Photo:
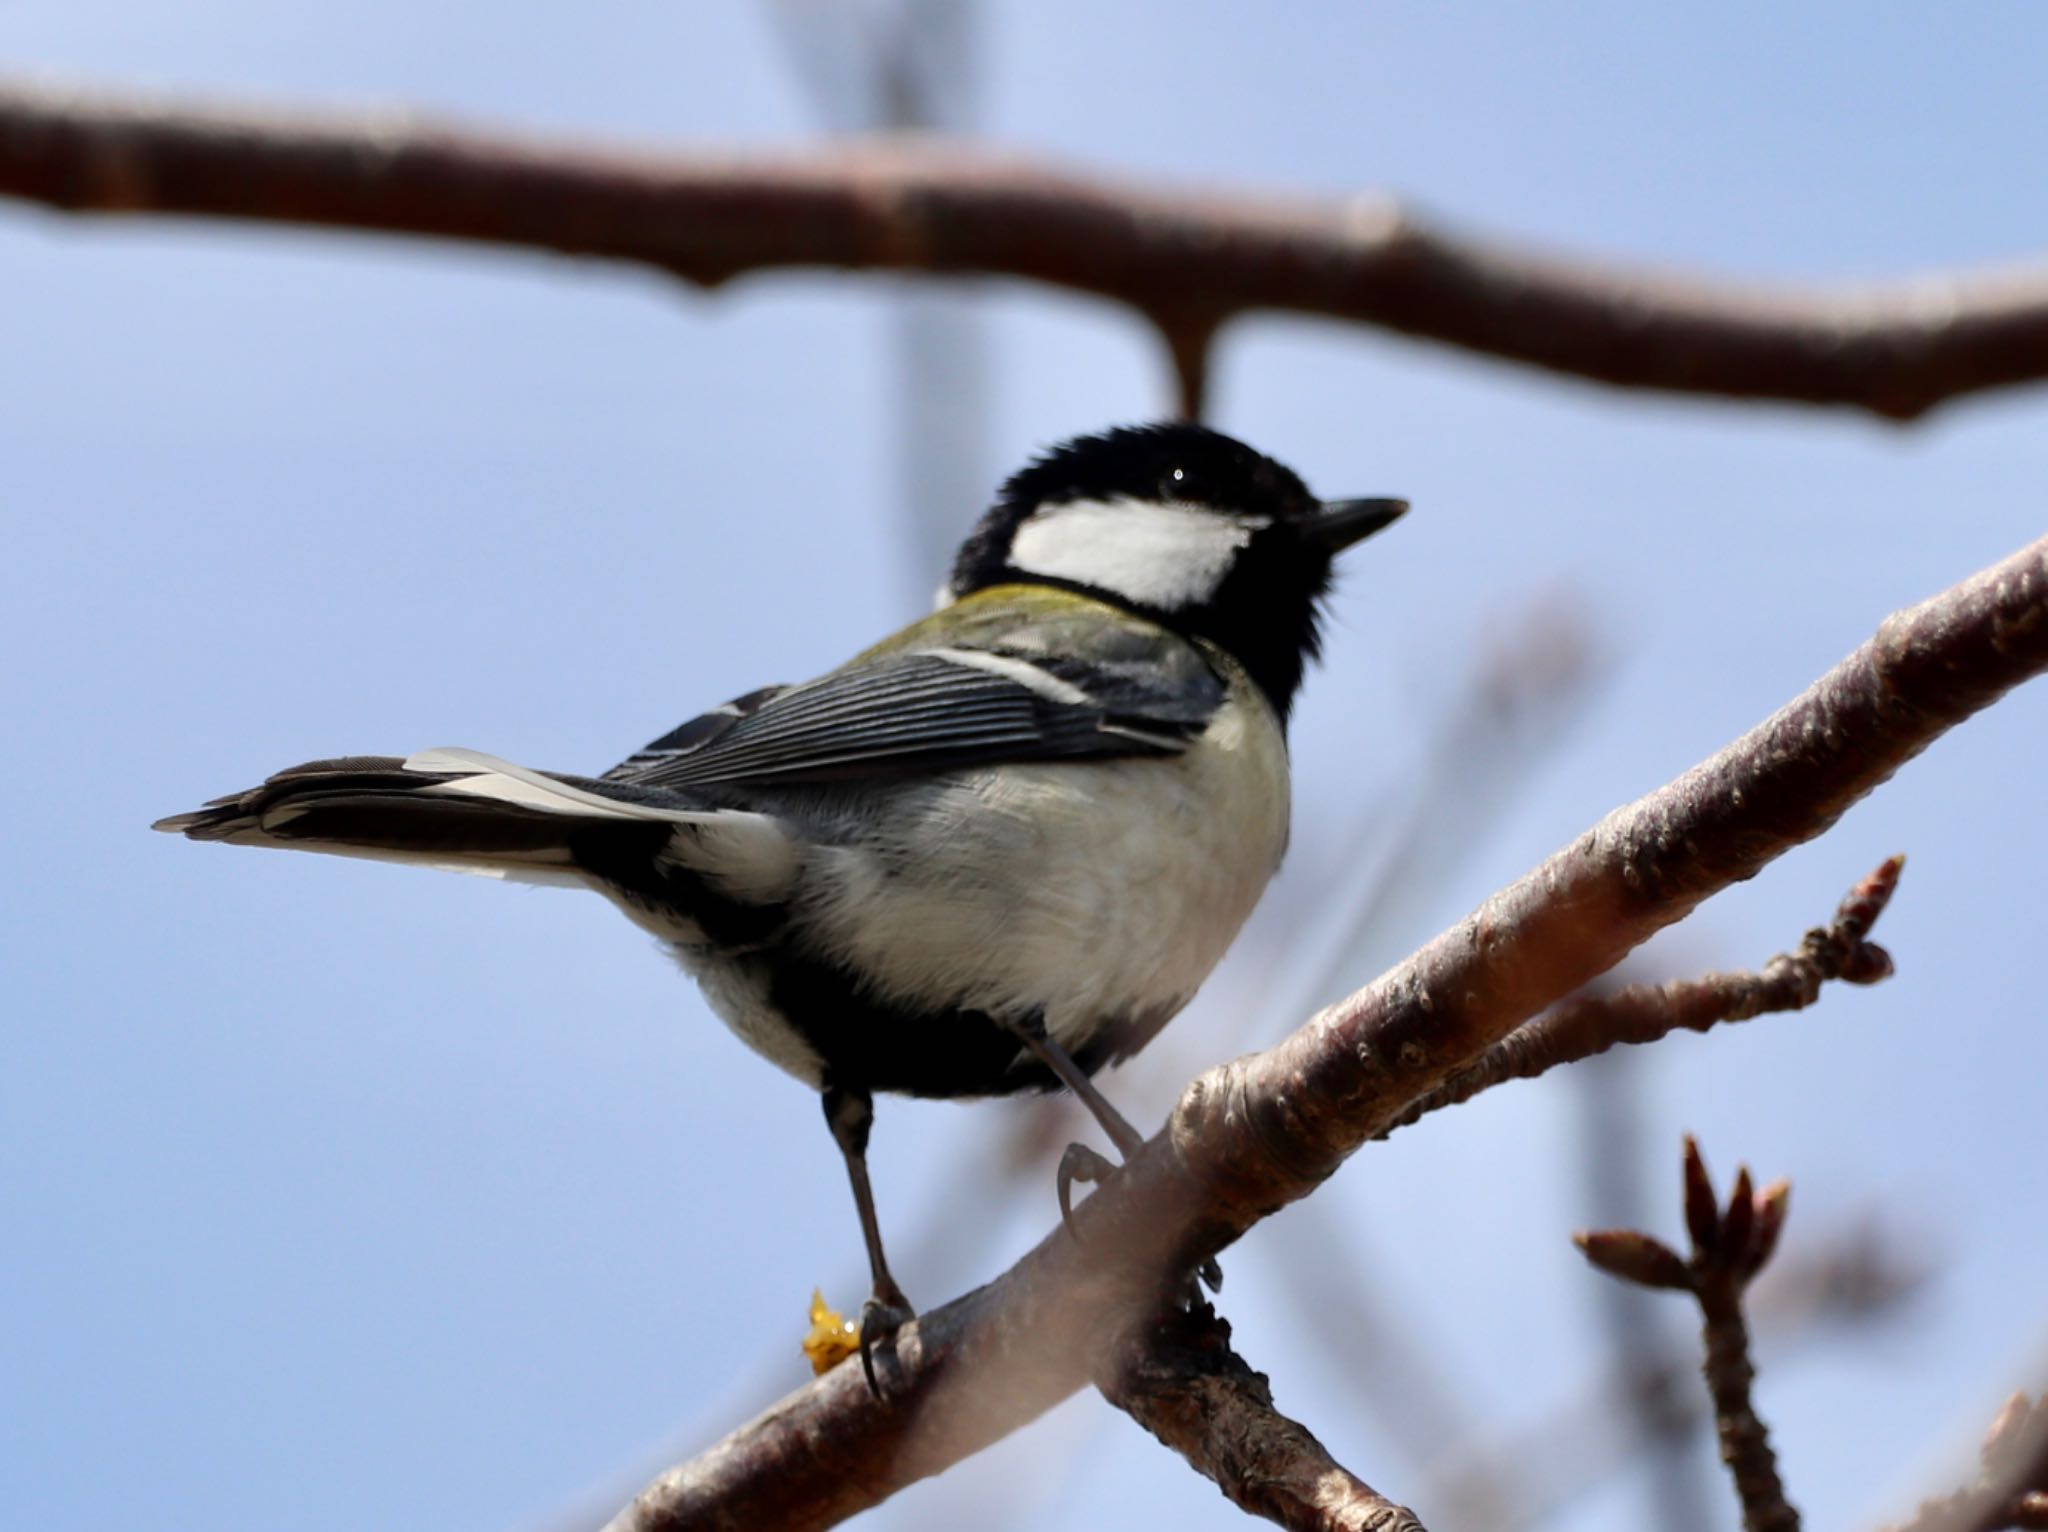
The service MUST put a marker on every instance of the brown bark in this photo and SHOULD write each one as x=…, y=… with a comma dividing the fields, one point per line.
x=1180, y=1379
x=1187, y=260
x=1642, y=1013
x=2012, y=1483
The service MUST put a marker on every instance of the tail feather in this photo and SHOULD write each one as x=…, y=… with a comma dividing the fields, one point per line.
x=377, y=807
x=462, y=811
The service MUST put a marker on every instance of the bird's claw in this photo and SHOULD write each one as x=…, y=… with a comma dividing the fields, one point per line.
x=885, y=1312
x=1079, y=1163
x=1082, y=1164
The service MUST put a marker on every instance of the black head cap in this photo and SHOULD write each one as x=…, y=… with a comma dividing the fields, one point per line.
x=1184, y=525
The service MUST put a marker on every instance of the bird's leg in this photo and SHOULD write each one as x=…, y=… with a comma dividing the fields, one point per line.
x=850, y=1114
x=1030, y=1031
x=1079, y=1162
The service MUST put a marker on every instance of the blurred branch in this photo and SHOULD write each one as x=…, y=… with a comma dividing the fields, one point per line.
x=1608, y=1098
x=1491, y=732
x=1251, y=1136
x=1853, y=1277
x=1179, y=1378
x=1186, y=260
x=1642, y=1013
x=911, y=66
x=2012, y=1482
x=1728, y=1249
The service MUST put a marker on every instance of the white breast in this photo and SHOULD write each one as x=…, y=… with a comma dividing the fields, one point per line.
x=1097, y=892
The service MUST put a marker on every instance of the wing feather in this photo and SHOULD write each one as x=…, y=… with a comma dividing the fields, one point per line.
x=931, y=710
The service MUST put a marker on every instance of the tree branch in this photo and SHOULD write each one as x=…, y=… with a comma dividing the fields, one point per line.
x=1179, y=1378
x=1642, y=1013
x=1251, y=1136
x=1849, y=1278
x=1186, y=260
x=1728, y=1250
x=2012, y=1482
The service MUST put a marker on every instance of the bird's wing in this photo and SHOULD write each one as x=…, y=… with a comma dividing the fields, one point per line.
x=938, y=708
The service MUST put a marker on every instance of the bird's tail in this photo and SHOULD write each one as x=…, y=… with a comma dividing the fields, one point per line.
x=453, y=809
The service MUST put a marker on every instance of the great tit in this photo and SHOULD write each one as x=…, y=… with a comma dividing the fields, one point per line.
x=995, y=852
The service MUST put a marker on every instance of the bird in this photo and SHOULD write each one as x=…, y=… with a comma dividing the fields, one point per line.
x=995, y=852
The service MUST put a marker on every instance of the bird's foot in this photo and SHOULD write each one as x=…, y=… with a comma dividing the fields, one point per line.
x=885, y=1312
x=1082, y=1164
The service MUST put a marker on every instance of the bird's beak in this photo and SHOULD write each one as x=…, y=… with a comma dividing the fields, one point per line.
x=1341, y=523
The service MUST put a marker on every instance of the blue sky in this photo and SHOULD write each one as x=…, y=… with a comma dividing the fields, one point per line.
x=341, y=1195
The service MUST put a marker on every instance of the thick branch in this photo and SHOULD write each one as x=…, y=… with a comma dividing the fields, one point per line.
x=1249, y=1137
x=1186, y=260
x=1180, y=1379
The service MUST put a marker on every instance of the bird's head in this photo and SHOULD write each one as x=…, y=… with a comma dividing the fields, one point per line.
x=1187, y=527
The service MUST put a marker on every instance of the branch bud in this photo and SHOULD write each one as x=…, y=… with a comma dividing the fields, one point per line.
x=1771, y=1204
x=1739, y=1221
x=1634, y=1257
x=1702, y=1217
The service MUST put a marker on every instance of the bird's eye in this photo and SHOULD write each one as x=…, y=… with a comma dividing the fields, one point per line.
x=1177, y=485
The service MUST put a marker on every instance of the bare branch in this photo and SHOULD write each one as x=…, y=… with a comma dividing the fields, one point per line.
x=1642, y=1013
x=1851, y=1277
x=1729, y=1247
x=1725, y=1270
x=1186, y=260
x=1251, y=1136
x=2012, y=1483
x=1179, y=1378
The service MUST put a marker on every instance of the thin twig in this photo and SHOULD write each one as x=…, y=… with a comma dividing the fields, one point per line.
x=1728, y=1249
x=1642, y=1013
x=1186, y=260
x=1849, y=1278
x=1179, y=1378
x=1251, y=1136
x=1608, y=1097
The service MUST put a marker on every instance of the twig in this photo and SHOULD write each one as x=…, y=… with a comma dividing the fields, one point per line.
x=1728, y=1249
x=2012, y=1483
x=1251, y=1136
x=1186, y=260
x=1613, y=1156
x=1179, y=1378
x=1848, y=1278
x=1642, y=1013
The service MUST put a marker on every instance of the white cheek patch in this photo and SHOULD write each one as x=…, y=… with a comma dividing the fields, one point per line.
x=1162, y=556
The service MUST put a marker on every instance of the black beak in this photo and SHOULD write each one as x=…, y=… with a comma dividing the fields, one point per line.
x=1341, y=523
